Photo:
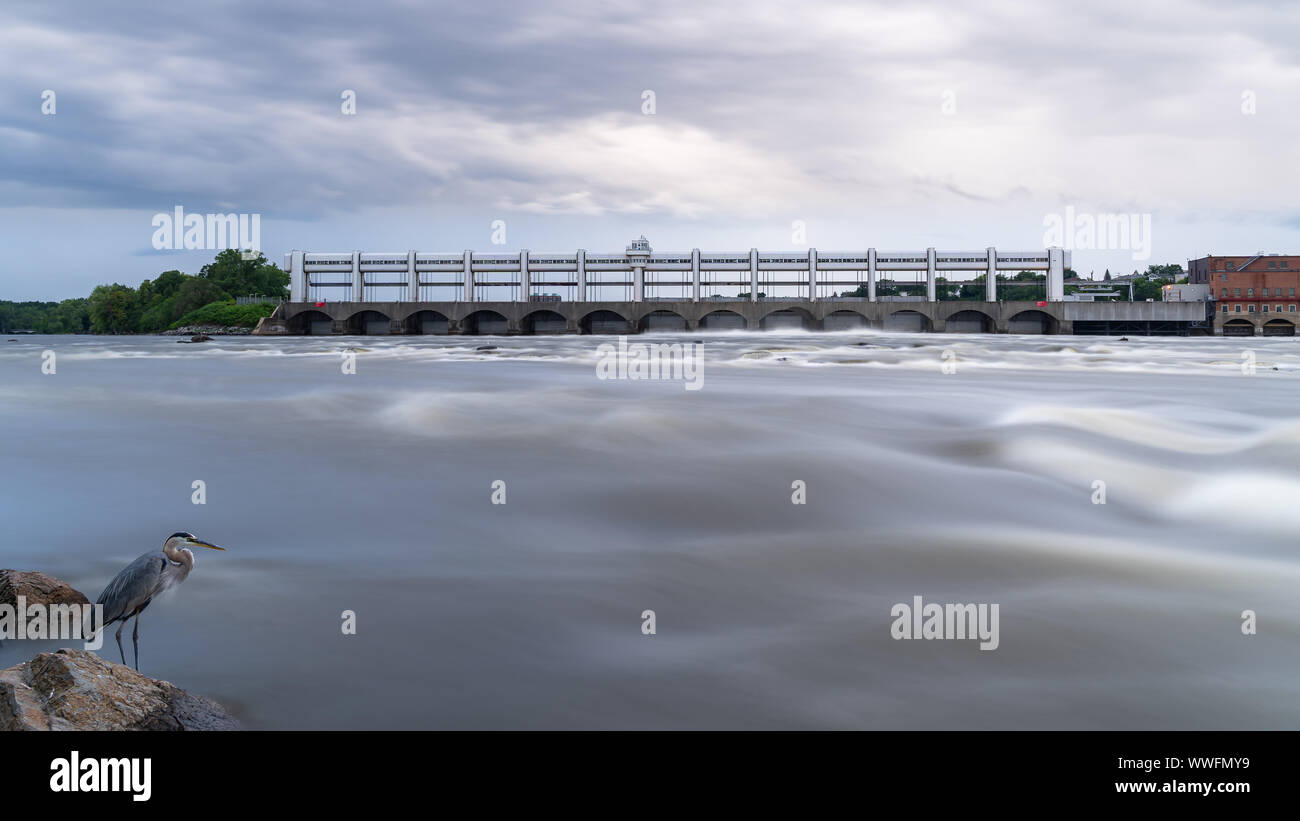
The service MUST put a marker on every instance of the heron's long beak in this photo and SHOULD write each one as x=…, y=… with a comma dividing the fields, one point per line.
x=205, y=544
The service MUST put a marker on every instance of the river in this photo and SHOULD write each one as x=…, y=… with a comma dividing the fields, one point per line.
x=959, y=468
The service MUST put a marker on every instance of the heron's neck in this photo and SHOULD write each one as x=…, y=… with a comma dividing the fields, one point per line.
x=181, y=555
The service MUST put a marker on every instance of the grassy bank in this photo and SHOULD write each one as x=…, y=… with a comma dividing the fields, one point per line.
x=226, y=314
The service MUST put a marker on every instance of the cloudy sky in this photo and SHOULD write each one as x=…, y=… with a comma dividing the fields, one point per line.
x=953, y=124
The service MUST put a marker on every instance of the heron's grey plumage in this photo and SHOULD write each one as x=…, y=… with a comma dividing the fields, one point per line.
x=140, y=581
x=134, y=588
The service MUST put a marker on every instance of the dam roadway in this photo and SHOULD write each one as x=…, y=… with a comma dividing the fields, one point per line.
x=628, y=317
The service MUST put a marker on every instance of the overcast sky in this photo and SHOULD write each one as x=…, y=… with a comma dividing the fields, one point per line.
x=955, y=125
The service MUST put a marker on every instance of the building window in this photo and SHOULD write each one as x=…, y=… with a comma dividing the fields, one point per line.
x=1266, y=309
x=1279, y=309
x=1236, y=292
x=1225, y=309
x=1265, y=292
x=1292, y=292
x=1272, y=265
x=1236, y=309
x=1290, y=308
x=1250, y=292
x=1223, y=277
x=1251, y=310
x=1282, y=263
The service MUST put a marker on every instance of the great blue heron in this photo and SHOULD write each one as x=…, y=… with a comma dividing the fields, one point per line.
x=131, y=591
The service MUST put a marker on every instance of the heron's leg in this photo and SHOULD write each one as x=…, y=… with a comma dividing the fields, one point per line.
x=135, y=639
x=119, y=641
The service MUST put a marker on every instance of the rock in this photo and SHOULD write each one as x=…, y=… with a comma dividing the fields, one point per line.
x=36, y=588
x=78, y=690
x=200, y=338
x=486, y=348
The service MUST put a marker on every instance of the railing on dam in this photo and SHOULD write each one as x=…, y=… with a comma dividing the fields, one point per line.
x=640, y=274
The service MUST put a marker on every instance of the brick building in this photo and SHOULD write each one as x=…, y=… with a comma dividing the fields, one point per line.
x=1252, y=294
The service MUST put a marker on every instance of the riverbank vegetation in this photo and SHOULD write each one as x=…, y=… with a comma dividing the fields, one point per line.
x=226, y=313
x=171, y=300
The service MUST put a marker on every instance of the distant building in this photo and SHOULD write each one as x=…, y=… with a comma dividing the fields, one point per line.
x=1185, y=292
x=1202, y=271
x=1252, y=293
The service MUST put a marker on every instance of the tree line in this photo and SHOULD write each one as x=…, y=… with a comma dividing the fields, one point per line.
x=158, y=304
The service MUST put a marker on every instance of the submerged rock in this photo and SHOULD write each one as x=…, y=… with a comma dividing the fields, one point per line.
x=78, y=690
x=36, y=588
x=200, y=338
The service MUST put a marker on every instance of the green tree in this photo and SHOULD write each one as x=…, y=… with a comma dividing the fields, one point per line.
x=195, y=293
x=1144, y=289
x=72, y=316
x=1172, y=272
x=158, y=300
x=245, y=277
x=114, y=309
x=158, y=316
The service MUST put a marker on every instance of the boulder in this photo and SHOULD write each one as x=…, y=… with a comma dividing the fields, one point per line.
x=37, y=588
x=78, y=690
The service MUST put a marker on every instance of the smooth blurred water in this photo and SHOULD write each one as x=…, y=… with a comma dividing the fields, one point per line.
x=372, y=492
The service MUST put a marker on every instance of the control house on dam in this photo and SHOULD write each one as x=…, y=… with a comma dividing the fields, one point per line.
x=639, y=289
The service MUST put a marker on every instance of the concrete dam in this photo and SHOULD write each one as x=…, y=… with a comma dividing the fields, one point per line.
x=640, y=290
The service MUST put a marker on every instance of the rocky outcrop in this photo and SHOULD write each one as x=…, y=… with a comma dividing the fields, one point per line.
x=78, y=690
x=36, y=588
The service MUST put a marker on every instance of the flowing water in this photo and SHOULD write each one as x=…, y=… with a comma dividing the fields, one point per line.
x=372, y=492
